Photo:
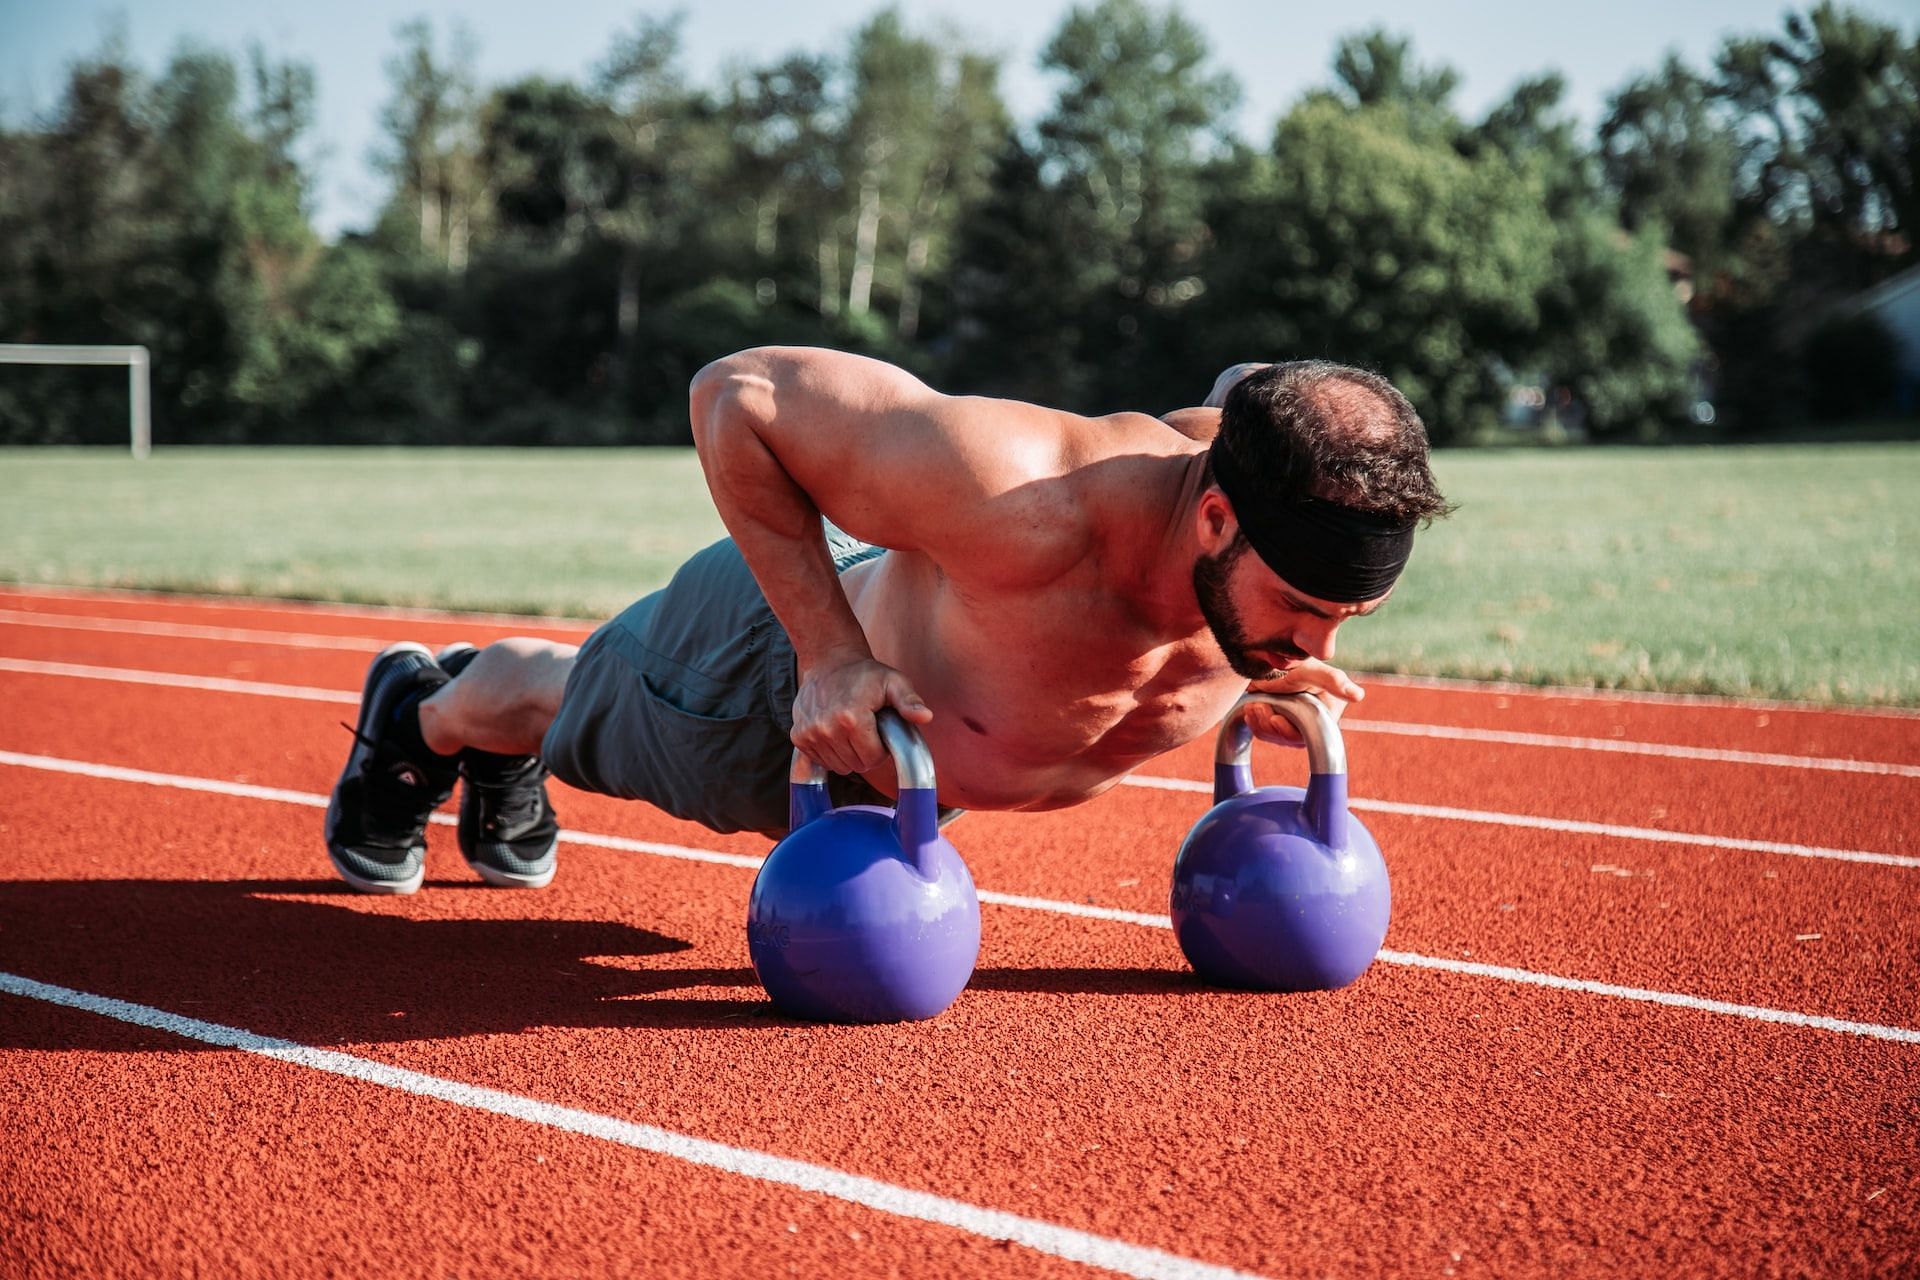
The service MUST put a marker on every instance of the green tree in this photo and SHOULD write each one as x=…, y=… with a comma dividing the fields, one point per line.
x=1536, y=135
x=1122, y=158
x=1832, y=116
x=171, y=214
x=1375, y=68
x=781, y=122
x=1365, y=239
x=432, y=149
x=1670, y=155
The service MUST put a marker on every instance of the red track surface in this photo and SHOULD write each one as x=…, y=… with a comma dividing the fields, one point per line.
x=1426, y=1121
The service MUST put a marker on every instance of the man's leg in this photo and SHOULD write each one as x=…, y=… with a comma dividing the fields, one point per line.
x=502, y=701
x=472, y=715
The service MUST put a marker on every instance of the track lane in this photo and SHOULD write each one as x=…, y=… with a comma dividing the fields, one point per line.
x=1084, y=1079
x=1796, y=728
x=1717, y=924
x=1734, y=724
x=1808, y=800
x=293, y=616
x=166, y=1160
x=1797, y=806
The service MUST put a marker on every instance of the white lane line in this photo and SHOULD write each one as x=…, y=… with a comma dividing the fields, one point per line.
x=746, y=1162
x=187, y=600
x=1674, y=1000
x=1630, y=697
x=1502, y=737
x=1442, y=812
x=1572, y=826
x=1621, y=746
x=1439, y=812
x=173, y=680
x=1451, y=684
x=1052, y=906
x=186, y=631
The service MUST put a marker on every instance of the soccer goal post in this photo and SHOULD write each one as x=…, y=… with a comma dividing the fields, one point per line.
x=139, y=392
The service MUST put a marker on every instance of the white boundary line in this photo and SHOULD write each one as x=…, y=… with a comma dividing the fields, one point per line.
x=1718, y=755
x=1571, y=825
x=287, y=604
x=1903, y=1035
x=173, y=680
x=1447, y=813
x=186, y=631
x=555, y=622
x=1499, y=737
x=746, y=1162
x=1651, y=697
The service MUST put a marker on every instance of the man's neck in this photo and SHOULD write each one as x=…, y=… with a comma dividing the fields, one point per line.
x=1164, y=588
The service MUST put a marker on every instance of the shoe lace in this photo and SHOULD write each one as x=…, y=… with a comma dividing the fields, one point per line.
x=508, y=808
x=390, y=800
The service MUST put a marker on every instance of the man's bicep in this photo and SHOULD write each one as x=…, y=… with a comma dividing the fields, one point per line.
x=963, y=479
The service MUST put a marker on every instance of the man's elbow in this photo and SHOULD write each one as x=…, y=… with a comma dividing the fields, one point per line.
x=731, y=393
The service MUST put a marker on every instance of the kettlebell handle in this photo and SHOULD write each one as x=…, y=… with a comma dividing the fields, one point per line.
x=917, y=814
x=1326, y=801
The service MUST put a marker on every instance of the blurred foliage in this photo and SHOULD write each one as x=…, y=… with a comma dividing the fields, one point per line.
x=555, y=258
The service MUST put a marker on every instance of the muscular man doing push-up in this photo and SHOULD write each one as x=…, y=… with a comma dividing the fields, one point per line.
x=1053, y=600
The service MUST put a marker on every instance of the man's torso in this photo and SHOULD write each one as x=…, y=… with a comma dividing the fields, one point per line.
x=1045, y=696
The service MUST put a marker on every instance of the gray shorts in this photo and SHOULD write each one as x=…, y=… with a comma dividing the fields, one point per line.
x=685, y=700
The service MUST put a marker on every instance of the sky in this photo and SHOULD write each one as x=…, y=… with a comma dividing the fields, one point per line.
x=1275, y=49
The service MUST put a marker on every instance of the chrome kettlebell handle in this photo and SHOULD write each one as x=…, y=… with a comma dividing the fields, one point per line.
x=1326, y=752
x=916, y=812
x=912, y=762
x=1326, y=798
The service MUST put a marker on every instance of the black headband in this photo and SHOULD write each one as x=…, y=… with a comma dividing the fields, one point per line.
x=1332, y=552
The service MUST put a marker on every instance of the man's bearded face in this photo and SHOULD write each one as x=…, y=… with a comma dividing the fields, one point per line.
x=1211, y=575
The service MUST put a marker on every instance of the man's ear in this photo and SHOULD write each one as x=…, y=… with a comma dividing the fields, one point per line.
x=1214, y=521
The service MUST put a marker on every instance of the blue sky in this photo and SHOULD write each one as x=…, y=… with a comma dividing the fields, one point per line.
x=1276, y=49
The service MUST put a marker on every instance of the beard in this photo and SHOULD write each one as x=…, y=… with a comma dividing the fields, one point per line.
x=1210, y=575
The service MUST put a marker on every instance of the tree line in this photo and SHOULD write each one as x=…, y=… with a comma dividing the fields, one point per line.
x=555, y=258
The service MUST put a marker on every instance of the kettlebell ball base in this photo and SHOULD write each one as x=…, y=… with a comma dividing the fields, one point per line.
x=1279, y=888
x=865, y=913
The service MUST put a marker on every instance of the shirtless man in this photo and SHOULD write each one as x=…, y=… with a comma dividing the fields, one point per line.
x=1059, y=600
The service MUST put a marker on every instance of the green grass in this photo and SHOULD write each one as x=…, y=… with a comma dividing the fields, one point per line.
x=1782, y=570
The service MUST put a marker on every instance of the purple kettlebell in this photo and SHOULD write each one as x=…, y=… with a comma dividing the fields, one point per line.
x=1278, y=888
x=863, y=913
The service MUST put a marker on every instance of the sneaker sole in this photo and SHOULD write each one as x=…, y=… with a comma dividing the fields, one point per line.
x=508, y=880
x=359, y=753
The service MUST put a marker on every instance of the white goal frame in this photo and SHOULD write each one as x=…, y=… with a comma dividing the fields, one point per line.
x=139, y=388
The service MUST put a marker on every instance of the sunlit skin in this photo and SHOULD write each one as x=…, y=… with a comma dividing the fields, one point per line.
x=1062, y=601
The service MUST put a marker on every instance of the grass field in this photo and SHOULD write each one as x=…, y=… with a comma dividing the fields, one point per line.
x=1783, y=570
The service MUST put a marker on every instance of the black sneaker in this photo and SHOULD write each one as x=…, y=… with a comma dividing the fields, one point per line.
x=507, y=826
x=377, y=819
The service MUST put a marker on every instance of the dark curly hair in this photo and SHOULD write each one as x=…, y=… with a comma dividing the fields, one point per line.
x=1312, y=428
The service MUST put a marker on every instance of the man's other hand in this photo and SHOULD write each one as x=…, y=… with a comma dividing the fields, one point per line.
x=1332, y=686
x=834, y=713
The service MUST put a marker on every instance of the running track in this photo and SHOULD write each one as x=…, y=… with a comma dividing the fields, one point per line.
x=1648, y=1007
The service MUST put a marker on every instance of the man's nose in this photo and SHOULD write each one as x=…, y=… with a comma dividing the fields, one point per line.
x=1317, y=639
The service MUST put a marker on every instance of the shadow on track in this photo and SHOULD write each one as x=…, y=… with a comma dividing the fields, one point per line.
x=318, y=970
x=313, y=962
